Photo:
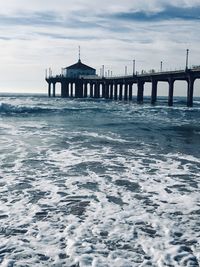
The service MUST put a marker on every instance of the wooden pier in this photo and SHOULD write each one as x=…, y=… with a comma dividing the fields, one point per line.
x=121, y=88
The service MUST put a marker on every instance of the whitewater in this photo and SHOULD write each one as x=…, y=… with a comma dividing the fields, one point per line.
x=99, y=183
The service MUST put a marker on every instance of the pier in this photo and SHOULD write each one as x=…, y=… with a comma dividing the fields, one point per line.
x=121, y=88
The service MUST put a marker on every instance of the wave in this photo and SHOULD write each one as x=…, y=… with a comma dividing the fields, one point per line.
x=15, y=109
x=7, y=109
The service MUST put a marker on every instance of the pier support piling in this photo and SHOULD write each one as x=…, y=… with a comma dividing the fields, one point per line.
x=130, y=92
x=85, y=91
x=120, y=91
x=64, y=89
x=79, y=90
x=96, y=90
x=126, y=92
x=115, y=91
x=171, y=92
x=107, y=91
x=71, y=89
x=49, y=89
x=103, y=90
x=190, y=92
x=140, y=93
x=111, y=91
x=154, y=92
x=91, y=90
x=54, y=89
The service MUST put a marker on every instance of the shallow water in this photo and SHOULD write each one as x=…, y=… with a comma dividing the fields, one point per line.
x=99, y=183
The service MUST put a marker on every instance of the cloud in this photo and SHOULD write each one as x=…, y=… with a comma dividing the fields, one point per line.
x=37, y=34
x=36, y=18
x=5, y=38
x=101, y=17
x=169, y=13
x=51, y=19
x=66, y=37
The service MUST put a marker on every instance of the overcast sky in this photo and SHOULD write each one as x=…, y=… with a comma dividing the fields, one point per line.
x=38, y=34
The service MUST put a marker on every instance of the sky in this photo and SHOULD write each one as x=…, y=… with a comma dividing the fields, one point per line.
x=39, y=34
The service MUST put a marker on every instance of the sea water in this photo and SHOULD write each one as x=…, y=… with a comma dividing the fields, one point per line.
x=99, y=183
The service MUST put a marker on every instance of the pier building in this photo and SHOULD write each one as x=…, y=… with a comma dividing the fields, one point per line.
x=77, y=70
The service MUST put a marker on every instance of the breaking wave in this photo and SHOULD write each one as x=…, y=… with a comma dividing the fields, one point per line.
x=7, y=109
x=10, y=109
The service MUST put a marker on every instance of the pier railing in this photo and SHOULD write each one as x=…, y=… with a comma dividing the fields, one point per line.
x=142, y=73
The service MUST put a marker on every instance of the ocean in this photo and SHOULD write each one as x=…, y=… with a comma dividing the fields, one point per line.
x=99, y=183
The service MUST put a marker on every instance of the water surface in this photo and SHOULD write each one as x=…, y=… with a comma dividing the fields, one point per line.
x=99, y=183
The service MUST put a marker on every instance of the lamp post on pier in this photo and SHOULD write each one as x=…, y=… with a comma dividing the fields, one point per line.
x=161, y=63
x=133, y=67
x=187, y=55
x=125, y=70
x=102, y=70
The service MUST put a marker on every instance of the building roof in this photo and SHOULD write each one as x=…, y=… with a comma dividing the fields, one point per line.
x=79, y=65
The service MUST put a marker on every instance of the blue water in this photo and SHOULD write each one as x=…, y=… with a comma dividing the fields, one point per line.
x=99, y=183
